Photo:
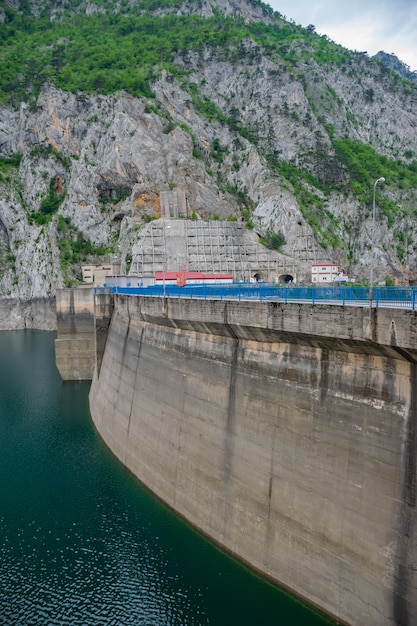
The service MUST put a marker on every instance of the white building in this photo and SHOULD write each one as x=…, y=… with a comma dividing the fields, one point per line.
x=328, y=273
x=96, y=274
x=129, y=281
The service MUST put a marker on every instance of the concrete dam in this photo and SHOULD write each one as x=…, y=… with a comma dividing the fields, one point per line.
x=285, y=432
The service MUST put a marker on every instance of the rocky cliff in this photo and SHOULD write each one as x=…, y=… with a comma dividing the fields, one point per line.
x=281, y=128
x=394, y=63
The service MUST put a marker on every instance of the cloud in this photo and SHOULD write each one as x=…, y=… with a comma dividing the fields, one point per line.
x=388, y=25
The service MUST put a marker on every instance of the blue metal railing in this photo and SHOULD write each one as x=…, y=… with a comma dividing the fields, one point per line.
x=396, y=297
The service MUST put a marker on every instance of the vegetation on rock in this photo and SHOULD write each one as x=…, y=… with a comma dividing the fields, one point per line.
x=264, y=112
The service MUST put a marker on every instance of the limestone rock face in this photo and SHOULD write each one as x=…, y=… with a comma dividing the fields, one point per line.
x=97, y=165
x=38, y=313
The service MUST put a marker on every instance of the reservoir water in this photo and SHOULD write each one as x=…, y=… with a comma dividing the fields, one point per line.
x=81, y=541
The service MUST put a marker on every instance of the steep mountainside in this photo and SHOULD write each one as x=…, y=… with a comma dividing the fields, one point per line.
x=106, y=105
x=394, y=63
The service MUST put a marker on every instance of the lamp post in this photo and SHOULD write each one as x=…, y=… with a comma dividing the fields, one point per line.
x=371, y=275
x=165, y=260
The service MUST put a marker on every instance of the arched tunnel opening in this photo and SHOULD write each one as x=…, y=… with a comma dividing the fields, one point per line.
x=258, y=277
x=285, y=278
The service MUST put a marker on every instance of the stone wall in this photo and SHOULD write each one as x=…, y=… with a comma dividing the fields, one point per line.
x=287, y=433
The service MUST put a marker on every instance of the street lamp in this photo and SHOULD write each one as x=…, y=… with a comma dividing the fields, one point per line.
x=165, y=258
x=371, y=276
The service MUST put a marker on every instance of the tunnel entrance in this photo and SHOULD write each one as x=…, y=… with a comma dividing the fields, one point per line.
x=258, y=277
x=285, y=278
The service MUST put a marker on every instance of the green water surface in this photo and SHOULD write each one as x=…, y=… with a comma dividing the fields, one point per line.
x=81, y=541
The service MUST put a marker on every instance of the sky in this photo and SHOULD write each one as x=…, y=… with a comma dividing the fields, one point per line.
x=362, y=25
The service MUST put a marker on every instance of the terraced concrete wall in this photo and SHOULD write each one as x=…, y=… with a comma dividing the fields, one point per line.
x=287, y=433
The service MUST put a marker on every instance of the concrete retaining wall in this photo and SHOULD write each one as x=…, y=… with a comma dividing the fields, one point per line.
x=75, y=346
x=287, y=433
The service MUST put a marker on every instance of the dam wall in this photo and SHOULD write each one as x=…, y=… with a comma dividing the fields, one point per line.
x=75, y=345
x=285, y=432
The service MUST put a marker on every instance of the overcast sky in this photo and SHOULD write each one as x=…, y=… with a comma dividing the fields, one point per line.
x=362, y=25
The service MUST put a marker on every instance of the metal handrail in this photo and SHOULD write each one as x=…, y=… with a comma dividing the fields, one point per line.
x=394, y=297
